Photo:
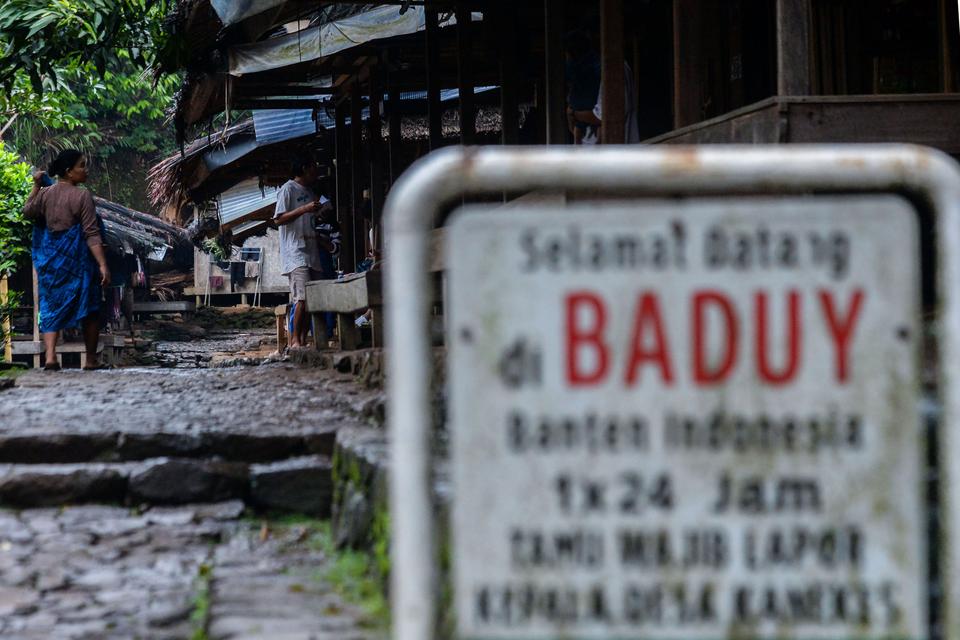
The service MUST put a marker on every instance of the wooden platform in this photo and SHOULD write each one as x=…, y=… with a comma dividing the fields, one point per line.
x=916, y=119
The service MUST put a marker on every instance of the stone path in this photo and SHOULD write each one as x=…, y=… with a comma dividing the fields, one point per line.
x=169, y=573
x=147, y=440
x=167, y=436
x=271, y=398
x=274, y=589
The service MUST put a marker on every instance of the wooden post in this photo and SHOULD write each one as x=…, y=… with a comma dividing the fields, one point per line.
x=685, y=79
x=949, y=25
x=434, y=107
x=344, y=192
x=612, y=73
x=356, y=175
x=468, y=111
x=793, y=47
x=509, y=102
x=36, y=311
x=556, y=98
x=348, y=331
x=7, y=337
x=396, y=133
x=377, y=155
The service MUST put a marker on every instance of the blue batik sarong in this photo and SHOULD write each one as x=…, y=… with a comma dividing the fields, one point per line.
x=67, y=276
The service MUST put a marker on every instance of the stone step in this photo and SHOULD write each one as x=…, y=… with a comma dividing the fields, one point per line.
x=301, y=485
x=57, y=447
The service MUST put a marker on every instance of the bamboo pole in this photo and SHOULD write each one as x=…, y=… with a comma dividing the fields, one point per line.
x=7, y=337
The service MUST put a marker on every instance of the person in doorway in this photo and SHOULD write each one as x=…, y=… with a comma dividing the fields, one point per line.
x=68, y=255
x=585, y=98
x=299, y=250
x=583, y=80
x=593, y=118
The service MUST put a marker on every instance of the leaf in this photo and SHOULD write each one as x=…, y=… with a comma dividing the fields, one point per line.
x=40, y=25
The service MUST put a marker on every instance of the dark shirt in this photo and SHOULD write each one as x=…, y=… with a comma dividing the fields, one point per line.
x=583, y=80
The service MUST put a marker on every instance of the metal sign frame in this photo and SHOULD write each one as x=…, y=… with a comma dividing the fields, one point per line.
x=924, y=175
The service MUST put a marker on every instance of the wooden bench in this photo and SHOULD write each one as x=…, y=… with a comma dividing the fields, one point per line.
x=109, y=348
x=173, y=306
x=356, y=293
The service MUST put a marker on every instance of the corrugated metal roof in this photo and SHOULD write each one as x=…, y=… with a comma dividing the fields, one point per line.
x=277, y=125
x=244, y=199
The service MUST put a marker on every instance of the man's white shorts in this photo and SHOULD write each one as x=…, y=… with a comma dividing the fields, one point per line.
x=299, y=278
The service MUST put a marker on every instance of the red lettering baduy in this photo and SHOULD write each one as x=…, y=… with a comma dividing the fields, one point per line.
x=776, y=356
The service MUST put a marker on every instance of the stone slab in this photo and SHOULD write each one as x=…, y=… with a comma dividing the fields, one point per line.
x=182, y=481
x=303, y=485
x=54, y=485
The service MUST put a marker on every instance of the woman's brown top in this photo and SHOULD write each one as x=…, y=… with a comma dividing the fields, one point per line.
x=63, y=205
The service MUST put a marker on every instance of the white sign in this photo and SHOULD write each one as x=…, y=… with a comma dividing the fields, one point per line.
x=686, y=420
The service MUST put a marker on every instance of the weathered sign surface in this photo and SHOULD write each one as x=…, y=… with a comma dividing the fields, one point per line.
x=691, y=419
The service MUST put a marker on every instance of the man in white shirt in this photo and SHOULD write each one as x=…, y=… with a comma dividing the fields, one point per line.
x=299, y=249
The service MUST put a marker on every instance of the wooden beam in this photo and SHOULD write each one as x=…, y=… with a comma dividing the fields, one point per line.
x=468, y=110
x=357, y=174
x=344, y=191
x=396, y=132
x=793, y=47
x=612, y=72
x=554, y=24
x=948, y=35
x=260, y=90
x=378, y=156
x=250, y=103
x=509, y=71
x=686, y=64
x=434, y=108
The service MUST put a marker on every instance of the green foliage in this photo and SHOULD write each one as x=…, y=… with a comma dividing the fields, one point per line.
x=217, y=248
x=200, y=615
x=381, y=542
x=78, y=75
x=122, y=111
x=15, y=185
x=354, y=575
x=39, y=36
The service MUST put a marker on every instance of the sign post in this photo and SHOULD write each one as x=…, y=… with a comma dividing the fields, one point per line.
x=677, y=419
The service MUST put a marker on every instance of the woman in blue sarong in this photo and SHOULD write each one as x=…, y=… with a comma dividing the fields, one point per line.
x=68, y=255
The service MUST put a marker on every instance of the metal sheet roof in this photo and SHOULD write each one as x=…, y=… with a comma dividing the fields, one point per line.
x=243, y=199
x=277, y=125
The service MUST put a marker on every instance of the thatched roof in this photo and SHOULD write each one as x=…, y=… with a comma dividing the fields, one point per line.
x=165, y=182
x=133, y=232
